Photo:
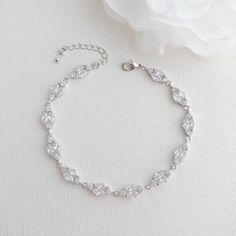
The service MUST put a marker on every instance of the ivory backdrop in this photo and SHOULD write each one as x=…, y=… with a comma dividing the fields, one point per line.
x=116, y=127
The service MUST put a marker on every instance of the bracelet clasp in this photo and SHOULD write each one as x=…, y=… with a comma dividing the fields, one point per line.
x=128, y=66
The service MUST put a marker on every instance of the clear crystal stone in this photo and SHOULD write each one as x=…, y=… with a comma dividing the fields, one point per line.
x=153, y=183
x=188, y=124
x=70, y=175
x=179, y=96
x=173, y=166
x=148, y=186
x=99, y=189
x=160, y=177
x=179, y=153
x=131, y=191
x=85, y=184
x=122, y=193
x=50, y=138
x=116, y=193
x=60, y=164
x=157, y=75
x=79, y=72
x=56, y=91
x=54, y=150
x=47, y=108
x=48, y=119
x=76, y=179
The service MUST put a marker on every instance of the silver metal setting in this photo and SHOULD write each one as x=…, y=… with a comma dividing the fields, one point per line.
x=80, y=72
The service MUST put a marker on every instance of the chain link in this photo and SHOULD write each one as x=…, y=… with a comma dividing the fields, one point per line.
x=104, y=55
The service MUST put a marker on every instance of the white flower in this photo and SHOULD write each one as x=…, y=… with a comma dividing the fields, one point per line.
x=206, y=27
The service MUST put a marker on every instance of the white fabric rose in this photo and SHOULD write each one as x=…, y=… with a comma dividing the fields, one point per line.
x=206, y=27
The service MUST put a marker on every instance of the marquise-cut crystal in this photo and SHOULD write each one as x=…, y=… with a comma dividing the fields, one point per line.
x=131, y=191
x=54, y=150
x=157, y=75
x=79, y=72
x=160, y=177
x=56, y=91
x=99, y=189
x=179, y=96
x=179, y=153
x=70, y=175
x=188, y=124
x=48, y=119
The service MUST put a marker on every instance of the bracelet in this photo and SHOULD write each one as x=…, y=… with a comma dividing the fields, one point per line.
x=54, y=150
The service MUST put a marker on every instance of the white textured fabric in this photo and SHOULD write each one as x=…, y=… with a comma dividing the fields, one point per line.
x=116, y=127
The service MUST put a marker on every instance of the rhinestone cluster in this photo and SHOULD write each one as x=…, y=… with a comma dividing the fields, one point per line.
x=160, y=177
x=70, y=174
x=100, y=189
x=79, y=72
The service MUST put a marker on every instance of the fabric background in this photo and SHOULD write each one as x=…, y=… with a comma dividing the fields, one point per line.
x=114, y=126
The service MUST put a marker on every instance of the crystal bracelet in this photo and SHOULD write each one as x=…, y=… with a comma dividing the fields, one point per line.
x=54, y=150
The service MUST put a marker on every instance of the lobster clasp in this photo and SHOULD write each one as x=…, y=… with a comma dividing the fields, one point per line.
x=128, y=66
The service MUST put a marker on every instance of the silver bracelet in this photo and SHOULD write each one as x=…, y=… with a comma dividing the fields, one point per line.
x=54, y=150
